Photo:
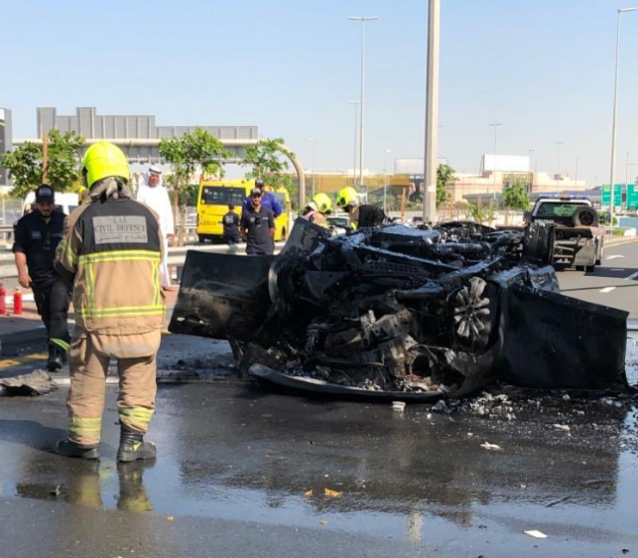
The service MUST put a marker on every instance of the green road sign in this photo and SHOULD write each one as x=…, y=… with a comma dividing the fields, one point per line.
x=605, y=200
x=632, y=197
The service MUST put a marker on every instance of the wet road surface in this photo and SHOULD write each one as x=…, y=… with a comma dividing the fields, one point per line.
x=245, y=473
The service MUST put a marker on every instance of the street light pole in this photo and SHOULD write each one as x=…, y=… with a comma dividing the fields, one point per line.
x=627, y=170
x=612, y=178
x=531, y=169
x=496, y=125
x=558, y=144
x=354, y=166
x=363, y=20
x=314, y=170
x=431, y=113
x=385, y=179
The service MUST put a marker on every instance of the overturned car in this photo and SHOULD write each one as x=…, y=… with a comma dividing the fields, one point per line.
x=403, y=314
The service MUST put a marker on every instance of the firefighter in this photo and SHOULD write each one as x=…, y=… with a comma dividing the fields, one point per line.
x=361, y=215
x=36, y=239
x=317, y=209
x=111, y=253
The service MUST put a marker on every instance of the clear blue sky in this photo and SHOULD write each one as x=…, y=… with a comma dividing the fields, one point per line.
x=543, y=68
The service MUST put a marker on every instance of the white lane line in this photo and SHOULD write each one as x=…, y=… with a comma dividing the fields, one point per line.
x=607, y=289
x=615, y=256
x=632, y=276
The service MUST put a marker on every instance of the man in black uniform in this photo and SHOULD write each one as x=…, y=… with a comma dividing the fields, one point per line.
x=36, y=239
x=231, y=226
x=258, y=226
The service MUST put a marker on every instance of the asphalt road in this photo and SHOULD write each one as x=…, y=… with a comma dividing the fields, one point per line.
x=245, y=473
x=613, y=284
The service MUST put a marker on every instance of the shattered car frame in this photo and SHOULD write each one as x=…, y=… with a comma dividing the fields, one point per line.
x=403, y=314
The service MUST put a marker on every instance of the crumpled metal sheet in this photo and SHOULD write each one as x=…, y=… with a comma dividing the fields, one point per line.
x=420, y=312
x=37, y=382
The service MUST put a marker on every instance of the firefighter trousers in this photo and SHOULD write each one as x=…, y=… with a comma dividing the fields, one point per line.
x=89, y=362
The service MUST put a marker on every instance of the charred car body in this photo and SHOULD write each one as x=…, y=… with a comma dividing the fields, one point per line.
x=402, y=313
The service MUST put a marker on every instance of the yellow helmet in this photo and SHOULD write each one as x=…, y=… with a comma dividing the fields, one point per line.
x=102, y=160
x=323, y=202
x=347, y=196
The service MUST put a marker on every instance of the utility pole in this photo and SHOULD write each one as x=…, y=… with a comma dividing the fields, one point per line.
x=431, y=113
x=363, y=20
x=496, y=126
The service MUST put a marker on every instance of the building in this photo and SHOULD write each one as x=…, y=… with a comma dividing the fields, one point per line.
x=138, y=135
x=6, y=143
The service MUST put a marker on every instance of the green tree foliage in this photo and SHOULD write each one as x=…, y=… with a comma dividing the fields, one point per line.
x=25, y=164
x=269, y=161
x=515, y=197
x=189, y=154
x=445, y=177
x=479, y=213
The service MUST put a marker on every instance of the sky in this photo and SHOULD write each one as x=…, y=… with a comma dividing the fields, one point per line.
x=542, y=68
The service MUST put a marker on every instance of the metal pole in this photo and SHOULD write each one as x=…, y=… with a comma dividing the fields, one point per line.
x=363, y=20
x=496, y=125
x=385, y=178
x=612, y=178
x=431, y=113
x=627, y=170
x=354, y=165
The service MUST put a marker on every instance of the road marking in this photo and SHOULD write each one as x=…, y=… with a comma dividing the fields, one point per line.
x=615, y=256
x=607, y=289
x=8, y=362
x=632, y=276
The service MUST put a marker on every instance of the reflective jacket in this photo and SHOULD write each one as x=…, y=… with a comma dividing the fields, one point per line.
x=111, y=253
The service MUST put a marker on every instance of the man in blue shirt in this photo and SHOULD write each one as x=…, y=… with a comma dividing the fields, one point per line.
x=268, y=199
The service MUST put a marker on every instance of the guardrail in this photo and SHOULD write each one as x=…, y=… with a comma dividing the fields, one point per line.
x=176, y=256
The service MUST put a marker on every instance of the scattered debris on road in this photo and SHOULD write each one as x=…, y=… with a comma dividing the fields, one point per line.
x=37, y=382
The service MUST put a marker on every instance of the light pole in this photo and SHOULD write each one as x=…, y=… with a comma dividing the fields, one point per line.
x=496, y=126
x=531, y=168
x=354, y=166
x=558, y=144
x=314, y=170
x=363, y=20
x=430, y=159
x=385, y=179
x=612, y=178
x=627, y=170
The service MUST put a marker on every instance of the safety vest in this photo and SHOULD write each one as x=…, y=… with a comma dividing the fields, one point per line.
x=111, y=253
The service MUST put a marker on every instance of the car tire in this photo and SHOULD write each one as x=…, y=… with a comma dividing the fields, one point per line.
x=201, y=239
x=585, y=217
x=590, y=268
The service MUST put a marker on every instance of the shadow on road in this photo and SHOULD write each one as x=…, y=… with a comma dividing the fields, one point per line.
x=31, y=434
x=612, y=272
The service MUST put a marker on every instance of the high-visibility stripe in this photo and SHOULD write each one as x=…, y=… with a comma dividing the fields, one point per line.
x=120, y=255
x=85, y=426
x=140, y=415
x=60, y=343
x=150, y=310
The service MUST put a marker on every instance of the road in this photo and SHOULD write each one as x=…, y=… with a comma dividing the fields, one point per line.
x=614, y=284
x=244, y=473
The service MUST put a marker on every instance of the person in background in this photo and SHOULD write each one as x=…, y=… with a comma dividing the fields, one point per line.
x=257, y=226
x=361, y=215
x=231, y=226
x=37, y=236
x=317, y=209
x=268, y=199
x=153, y=193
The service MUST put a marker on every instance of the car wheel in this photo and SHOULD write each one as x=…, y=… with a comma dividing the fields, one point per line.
x=201, y=238
x=590, y=268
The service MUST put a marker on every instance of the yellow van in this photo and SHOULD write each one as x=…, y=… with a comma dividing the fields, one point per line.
x=216, y=195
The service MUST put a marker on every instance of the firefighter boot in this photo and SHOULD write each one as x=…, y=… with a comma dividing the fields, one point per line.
x=133, y=447
x=67, y=448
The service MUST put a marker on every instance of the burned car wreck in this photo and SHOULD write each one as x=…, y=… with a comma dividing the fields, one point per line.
x=399, y=313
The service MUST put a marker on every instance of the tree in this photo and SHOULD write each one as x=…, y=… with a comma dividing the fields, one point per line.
x=267, y=163
x=515, y=196
x=25, y=164
x=187, y=154
x=445, y=177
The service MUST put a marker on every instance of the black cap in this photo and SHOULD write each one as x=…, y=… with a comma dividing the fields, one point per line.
x=44, y=193
x=259, y=183
x=255, y=192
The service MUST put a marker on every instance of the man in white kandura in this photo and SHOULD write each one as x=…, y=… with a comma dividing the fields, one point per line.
x=153, y=193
